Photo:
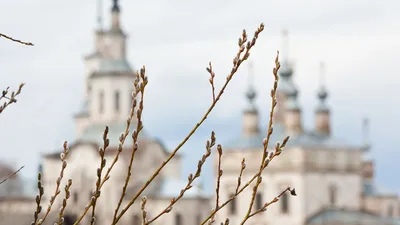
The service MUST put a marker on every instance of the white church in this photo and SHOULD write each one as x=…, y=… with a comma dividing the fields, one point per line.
x=333, y=180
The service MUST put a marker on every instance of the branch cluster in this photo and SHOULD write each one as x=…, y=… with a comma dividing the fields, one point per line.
x=140, y=83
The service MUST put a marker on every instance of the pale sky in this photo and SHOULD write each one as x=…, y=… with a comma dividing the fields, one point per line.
x=357, y=40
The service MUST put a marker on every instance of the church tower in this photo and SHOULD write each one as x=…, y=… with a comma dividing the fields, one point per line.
x=288, y=111
x=286, y=86
x=322, y=112
x=250, y=114
x=108, y=76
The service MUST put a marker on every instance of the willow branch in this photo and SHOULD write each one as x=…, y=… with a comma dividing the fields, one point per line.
x=237, y=61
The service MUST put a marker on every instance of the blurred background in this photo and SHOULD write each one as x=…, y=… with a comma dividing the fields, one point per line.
x=357, y=40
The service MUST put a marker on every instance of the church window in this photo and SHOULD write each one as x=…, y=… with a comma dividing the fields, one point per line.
x=332, y=195
x=89, y=88
x=101, y=102
x=259, y=201
x=70, y=219
x=232, y=206
x=178, y=219
x=117, y=99
x=75, y=197
x=284, y=203
x=136, y=220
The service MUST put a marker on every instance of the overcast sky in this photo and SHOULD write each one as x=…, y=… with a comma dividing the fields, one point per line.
x=357, y=39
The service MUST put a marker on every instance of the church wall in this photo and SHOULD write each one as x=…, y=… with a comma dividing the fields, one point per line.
x=191, y=210
x=318, y=185
x=109, y=85
x=273, y=183
x=17, y=205
x=382, y=205
x=80, y=125
x=114, y=46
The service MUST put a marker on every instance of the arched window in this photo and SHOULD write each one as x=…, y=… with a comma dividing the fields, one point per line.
x=136, y=220
x=89, y=88
x=232, y=206
x=259, y=201
x=116, y=101
x=101, y=102
x=284, y=203
x=332, y=195
x=69, y=219
x=178, y=219
x=75, y=197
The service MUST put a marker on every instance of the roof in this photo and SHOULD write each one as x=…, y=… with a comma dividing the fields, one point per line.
x=306, y=139
x=286, y=85
x=370, y=189
x=84, y=109
x=115, y=65
x=347, y=216
x=94, y=133
x=171, y=187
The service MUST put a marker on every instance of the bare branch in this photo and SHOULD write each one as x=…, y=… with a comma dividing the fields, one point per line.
x=11, y=175
x=10, y=99
x=64, y=203
x=96, y=193
x=276, y=199
x=63, y=157
x=237, y=61
x=16, y=40
x=209, y=144
x=266, y=141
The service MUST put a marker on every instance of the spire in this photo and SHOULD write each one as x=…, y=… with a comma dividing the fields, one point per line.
x=322, y=112
x=115, y=7
x=251, y=93
x=100, y=14
x=250, y=114
x=286, y=70
x=292, y=114
x=322, y=92
x=115, y=11
x=292, y=103
x=286, y=86
x=365, y=131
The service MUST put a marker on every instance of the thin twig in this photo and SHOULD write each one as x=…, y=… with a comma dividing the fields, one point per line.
x=239, y=180
x=217, y=190
x=209, y=144
x=64, y=202
x=11, y=99
x=265, y=163
x=120, y=145
x=63, y=157
x=16, y=40
x=272, y=156
x=266, y=141
x=143, y=208
x=38, y=199
x=96, y=193
x=276, y=199
x=11, y=175
x=211, y=80
x=139, y=89
x=237, y=61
